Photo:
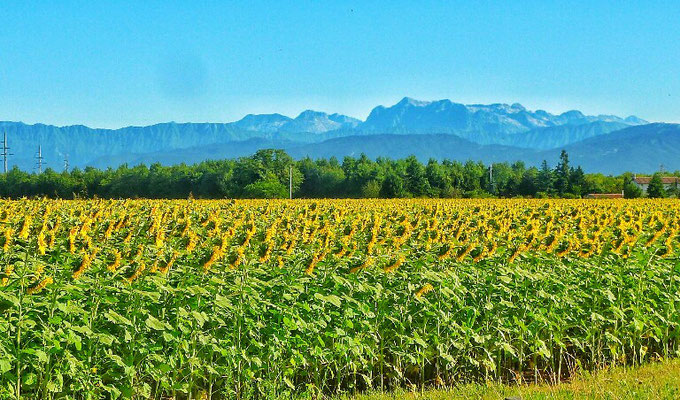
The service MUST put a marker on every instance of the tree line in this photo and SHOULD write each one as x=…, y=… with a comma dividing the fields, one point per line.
x=267, y=173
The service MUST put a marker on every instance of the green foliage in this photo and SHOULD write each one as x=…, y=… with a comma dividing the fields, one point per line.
x=268, y=330
x=392, y=186
x=266, y=188
x=562, y=174
x=371, y=190
x=630, y=189
x=545, y=179
x=655, y=188
x=265, y=174
x=416, y=180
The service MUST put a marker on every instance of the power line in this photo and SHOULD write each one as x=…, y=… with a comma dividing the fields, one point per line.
x=5, y=151
x=39, y=159
x=66, y=165
x=492, y=184
x=290, y=183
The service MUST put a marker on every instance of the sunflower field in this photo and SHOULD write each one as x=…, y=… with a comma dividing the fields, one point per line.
x=219, y=299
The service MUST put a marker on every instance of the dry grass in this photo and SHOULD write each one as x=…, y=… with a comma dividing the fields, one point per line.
x=652, y=381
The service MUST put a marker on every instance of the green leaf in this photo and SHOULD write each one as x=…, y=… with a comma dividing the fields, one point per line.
x=117, y=318
x=75, y=340
x=42, y=356
x=11, y=298
x=508, y=348
x=106, y=339
x=288, y=382
x=199, y=317
x=333, y=299
x=5, y=365
x=289, y=323
x=153, y=323
x=118, y=360
x=30, y=379
x=223, y=302
x=115, y=393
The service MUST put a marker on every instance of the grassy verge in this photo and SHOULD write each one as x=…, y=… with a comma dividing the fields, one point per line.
x=652, y=381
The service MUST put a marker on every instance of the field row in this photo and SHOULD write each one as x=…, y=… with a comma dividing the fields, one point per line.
x=244, y=299
x=354, y=234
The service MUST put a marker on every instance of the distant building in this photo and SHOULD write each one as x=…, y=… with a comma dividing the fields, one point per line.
x=605, y=195
x=669, y=182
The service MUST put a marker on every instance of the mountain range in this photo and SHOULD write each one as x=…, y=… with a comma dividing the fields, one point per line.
x=428, y=129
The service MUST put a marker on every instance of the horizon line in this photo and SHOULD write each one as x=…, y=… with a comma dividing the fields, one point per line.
x=328, y=113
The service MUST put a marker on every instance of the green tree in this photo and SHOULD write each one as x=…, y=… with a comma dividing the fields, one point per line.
x=267, y=187
x=630, y=189
x=577, y=182
x=655, y=188
x=529, y=184
x=544, y=180
x=322, y=178
x=371, y=189
x=392, y=186
x=416, y=179
x=674, y=190
x=265, y=174
x=358, y=173
x=474, y=176
x=562, y=174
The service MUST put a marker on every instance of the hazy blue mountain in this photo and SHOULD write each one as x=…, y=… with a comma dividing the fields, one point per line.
x=195, y=154
x=394, y=146
x=423, y=146
x=83, y=144
x=485, y=124
x=308, y=121
x=266, y=123
x=633, y=120
x=499, y=124
x=319, y=122
x=562, y=135
x=641, y=149
x=638, y=149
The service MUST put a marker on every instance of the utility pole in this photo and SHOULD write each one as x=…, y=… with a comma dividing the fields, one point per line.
x=290, y=183
x=66, y=163
x=39, y=159
x=4, y=152
x=491, y=183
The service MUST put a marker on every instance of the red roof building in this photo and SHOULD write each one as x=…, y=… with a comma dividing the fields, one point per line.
x=668, y=182
x=604, y=196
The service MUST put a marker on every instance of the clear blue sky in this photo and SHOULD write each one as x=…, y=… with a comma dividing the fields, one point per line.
x=142, y=62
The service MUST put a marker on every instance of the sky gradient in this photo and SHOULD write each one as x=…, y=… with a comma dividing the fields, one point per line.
x=139, y=63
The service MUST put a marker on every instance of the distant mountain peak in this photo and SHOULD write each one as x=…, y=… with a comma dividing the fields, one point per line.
x=633, y=120
x=311, y=121
x=409, y=101
x=572, y=114
x=266, y=123
x=344, y=119
x=481, y=124
x=310, y=114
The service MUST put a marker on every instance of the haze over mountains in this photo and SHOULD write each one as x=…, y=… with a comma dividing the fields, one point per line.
x=438, y=129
